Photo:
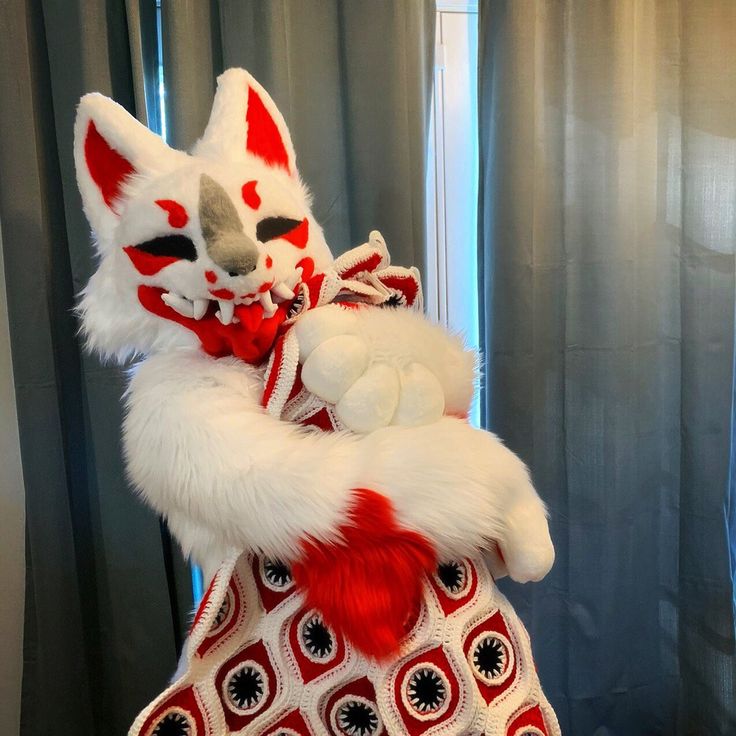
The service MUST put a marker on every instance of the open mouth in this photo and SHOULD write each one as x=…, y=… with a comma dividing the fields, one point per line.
x=268, y=296
x=245, y=327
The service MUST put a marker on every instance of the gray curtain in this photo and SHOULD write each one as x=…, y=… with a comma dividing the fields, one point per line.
x=353, y=80
x=608, y=231
x=100, y=628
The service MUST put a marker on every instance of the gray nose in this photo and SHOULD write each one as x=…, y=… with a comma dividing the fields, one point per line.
x=227, y=245
x=235, y=253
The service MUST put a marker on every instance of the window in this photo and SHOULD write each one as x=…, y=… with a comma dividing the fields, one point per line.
x=452, y=182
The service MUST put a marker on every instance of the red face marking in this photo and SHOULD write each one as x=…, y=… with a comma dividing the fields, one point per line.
x=269, y=261
x=263, y=288
x=211, y=276
x=222, y=293
x=146, y=263
x=178, y=216
x=307, y=266
x=250, y=195
x=299, y=235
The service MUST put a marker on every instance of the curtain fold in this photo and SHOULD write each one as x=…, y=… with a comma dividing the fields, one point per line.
x=353, y=80
x=608, y=231
x=99, y=633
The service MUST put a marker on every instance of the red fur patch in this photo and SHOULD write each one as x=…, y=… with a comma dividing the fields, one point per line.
x=299, y=235
x=250, y=195
x=269, y=261
x=263, y=139
x=106, y=166
x=369, y=587
x=211, y=276
x=178, y=216
x=307, y=267
x=147, y=263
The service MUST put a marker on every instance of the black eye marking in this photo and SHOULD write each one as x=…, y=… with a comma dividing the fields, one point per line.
x=175, y=246
x=274, y=227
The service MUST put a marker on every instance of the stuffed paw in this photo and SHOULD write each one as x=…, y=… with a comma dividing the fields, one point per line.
x=368, y=390
x=527, y=550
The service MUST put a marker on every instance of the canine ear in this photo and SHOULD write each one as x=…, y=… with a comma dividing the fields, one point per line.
x=110, y=148
x=245, y=122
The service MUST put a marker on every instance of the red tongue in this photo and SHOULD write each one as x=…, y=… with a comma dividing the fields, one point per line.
x=250, y=340
x=250, y=317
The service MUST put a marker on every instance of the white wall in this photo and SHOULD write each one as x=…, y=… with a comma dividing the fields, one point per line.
x=12, y=535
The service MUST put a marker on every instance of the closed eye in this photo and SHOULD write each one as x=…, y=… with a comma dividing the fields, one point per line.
x=173, y=246
x=275, y=227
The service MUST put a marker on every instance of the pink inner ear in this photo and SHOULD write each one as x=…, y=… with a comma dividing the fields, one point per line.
x=106, y=166
x=264, y=139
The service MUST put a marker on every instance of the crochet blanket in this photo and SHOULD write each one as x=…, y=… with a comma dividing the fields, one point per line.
x=257, y=661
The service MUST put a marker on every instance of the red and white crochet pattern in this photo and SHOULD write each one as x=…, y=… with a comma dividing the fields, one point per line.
x=258, y=662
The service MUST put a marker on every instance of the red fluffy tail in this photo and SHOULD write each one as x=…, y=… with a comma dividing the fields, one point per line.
x=368, y=589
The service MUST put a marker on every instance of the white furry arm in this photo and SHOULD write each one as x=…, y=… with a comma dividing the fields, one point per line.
x=200, y=449
x=204, y=454
x=463, y=489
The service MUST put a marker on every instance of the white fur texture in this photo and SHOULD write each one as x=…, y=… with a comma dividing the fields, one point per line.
x=203, y=453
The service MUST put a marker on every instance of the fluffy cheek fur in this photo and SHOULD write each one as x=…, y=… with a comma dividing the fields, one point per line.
x=114, y=323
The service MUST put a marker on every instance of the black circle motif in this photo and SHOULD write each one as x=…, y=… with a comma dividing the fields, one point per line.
x=277, y=573
x=246, y=687
x=174, y=723
x=357, y=718
x=222, y=612
x=396, y=299
x=452, y=575
x=426, y=691
x=317, y=638
x=490, y=657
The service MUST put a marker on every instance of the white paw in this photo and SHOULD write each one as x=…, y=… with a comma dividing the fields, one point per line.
x=527, y=548
x=370, y=403
x=334, y=366
x=339, y=366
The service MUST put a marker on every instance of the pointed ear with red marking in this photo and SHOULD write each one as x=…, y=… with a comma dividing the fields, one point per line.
x=245, y=123
x=111, y=148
